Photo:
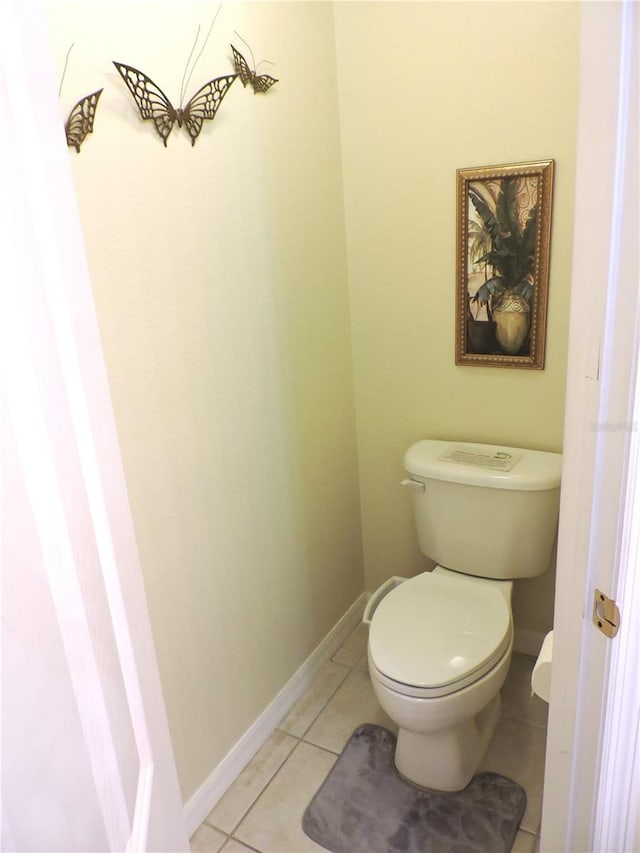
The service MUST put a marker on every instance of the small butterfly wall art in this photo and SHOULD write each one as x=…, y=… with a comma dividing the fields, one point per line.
x=80, y=122
x=154, y=105
x=260, y=82
x=81, y=118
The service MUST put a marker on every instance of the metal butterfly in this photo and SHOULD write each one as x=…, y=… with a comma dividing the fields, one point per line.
x=80, y=121
x=260, y=82
x=153, y=103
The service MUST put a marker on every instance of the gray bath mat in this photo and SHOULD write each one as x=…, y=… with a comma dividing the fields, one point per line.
x=364, y=806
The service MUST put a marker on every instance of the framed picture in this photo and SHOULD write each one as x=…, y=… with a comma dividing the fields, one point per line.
x=504, y=236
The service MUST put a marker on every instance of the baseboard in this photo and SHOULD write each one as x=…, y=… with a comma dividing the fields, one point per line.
x=205, y=798
x=527, y=642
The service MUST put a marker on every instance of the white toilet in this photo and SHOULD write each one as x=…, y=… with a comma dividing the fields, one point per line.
x=440, y=643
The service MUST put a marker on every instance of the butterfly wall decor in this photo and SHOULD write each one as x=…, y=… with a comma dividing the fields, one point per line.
x=80, y=121
x=260, y=82
x=153, y=104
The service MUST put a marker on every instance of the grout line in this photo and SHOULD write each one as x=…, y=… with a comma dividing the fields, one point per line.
x=533, y=835
x=323, y=748
x=227, y=836
x=528, y=831
x=244, y=843
x=339, y=685
x=347, y=673
x=260, y=792
x=246, y=814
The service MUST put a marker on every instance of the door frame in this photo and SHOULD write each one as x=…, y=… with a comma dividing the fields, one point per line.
x=598, y=506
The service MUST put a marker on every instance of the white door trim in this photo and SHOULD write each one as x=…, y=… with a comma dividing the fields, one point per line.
x=617, y=806
x=598, y=427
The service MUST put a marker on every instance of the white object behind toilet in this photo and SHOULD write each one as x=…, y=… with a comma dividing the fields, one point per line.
x=541, y=675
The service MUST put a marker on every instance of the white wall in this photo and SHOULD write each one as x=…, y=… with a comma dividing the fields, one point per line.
x=219, y=273
x=427, y=88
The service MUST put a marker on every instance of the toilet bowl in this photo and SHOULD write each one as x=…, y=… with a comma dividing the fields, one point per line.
x=439, y=650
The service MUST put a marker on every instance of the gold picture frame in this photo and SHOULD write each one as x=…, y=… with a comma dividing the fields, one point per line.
x=503, y=245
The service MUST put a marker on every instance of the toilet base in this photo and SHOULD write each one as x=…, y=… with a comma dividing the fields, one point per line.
x=446, y=760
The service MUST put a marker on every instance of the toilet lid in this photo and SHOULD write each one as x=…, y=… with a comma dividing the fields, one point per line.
x=436, y=631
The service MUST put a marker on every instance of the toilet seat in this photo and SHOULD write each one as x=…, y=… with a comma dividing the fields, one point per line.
x=437, y=633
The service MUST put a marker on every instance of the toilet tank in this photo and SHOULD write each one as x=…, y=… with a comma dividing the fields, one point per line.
x=485, y=510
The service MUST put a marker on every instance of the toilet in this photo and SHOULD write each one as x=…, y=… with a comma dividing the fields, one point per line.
x=440, y=643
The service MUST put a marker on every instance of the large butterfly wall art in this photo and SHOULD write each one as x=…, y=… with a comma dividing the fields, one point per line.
x=153, y=104
x=259, y=82
x=80, y=121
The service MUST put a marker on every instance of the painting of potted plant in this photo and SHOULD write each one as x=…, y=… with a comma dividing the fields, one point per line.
x=504, y=218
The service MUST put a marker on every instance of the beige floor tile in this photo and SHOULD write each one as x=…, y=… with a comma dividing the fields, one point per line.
x=324, y=685
x=274, y=823
x=354, y=647
x=518, y=751
x=363, y=663
x=353, y=703
x=206, y=839
x=524, y=843
x=232, y=807
x=517, y=701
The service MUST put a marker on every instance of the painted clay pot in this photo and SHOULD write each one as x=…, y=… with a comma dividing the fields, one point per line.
x=512, y=317
x=481, y=336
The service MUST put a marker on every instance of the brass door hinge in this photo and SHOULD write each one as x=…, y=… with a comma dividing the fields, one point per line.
x=606, y=615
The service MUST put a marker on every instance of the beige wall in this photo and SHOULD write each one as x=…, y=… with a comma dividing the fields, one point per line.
x=220, y=280
x=426, y=88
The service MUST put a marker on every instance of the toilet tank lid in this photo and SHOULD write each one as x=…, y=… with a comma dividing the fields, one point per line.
x=487, y=465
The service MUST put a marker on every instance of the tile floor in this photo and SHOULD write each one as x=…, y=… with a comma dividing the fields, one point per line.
x=262, y=810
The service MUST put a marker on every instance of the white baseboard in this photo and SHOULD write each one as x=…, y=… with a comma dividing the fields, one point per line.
x=527, y=642
x=205, y=798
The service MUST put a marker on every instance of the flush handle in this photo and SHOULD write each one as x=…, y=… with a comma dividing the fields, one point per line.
x=414, y=484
